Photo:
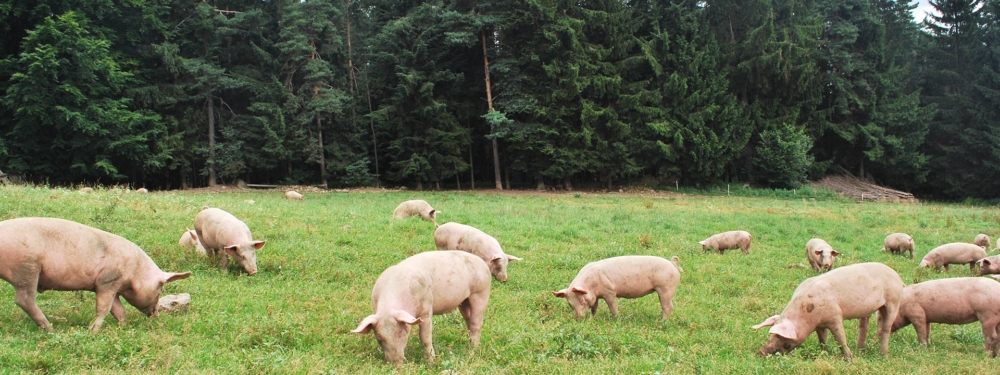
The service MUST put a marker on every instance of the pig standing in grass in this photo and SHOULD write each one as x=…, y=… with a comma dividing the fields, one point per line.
x=415, y=208
x=823, y=302
x=953, y=253
x=631, y=276
x=959, y=300
x=988, y=266
x=728, y=240
x=39, y=254
x=189, y=240
x=221, y=233
x=293, y=195
x=455, y=236
x=982, y=241
x=426, y=284
x=821, y=255
x=898, y=243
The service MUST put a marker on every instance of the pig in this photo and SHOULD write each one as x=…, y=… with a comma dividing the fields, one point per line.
x=630, y=276
x=959, y=300
x=455, y=236
x=982, y=240
x=898, y=243
x=293, y=195
x=415, y=208
x=189, y=240
x=823, y=302
x=39, y=254
x=426, y=284
x=142, y=191
x=821, y=255
x=988, y=266
x=953, y=253
x=728, y=240
x=223, y=235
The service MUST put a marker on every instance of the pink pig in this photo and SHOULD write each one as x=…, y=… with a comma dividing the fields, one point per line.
x=898, y=243
x=953, y=253
x=959, y=300
x=455, y=236
x=736, y=239
x=631, y=276
x=223, y=235
x=416, y=207
x=989, y=266
x=821, y=255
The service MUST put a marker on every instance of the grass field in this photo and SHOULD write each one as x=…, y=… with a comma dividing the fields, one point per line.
x=323, y=255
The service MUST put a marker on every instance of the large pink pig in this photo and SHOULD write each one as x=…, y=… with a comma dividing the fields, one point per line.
x=426, y=284
x=953, y=253
x=631, y=276
x=39, y=254
x=221, y=233
x=988, y=266
x=959, y=300
x=455, y=236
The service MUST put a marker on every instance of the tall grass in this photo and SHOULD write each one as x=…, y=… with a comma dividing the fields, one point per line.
x=323, y=255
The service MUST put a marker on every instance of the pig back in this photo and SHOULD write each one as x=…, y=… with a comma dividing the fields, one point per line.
x=957, y=252
x=630, y=276
x=217, y=229
x=856, y=290
x=955, y=300
x=446, y=278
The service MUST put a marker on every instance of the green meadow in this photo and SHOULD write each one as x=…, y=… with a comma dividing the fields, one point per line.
x=323, y=255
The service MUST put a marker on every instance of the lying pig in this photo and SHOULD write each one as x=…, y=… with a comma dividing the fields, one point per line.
x=189, y=240
x=898, y=243
x=953, y=253
x=959, y=300
x=415, y=208
x=426, y=284
x=221, y=233
x=455, y=236
x=823, y=302
x=630, y=276
x=821, y=255
x=728, y=240
x=291, y=194
x=988, y=266
x=982, y=241
x=39, y=254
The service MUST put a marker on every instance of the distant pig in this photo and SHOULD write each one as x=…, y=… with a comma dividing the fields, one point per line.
x=823, y=302
x=189, y=240
x=953, y=253
x=39, y=254
x=728, y=240
x=455, y=236
x=630, y=276
x=415, y=208
x=222, y=233
x=426, y=284
x=982, y=241
x=959, y=300
x=821, y=255
x=142, y=191
x=988, y=266
x=291, y=194
x=898, y=243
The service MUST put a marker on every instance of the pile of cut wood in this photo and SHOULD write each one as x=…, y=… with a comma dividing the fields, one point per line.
x=853, y=187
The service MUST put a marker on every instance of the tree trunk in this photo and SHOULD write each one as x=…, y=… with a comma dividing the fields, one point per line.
x=211, y=139
x=539, y=182
x=489, y=102
x=458, y=182
x=506, y=175
x=322, y=153
x=437, y=185
x=567, y=184
x=420, y=185
x=371, y=124
x=472, y=169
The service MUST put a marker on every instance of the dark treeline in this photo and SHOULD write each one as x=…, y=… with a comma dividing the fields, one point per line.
x=441, y=94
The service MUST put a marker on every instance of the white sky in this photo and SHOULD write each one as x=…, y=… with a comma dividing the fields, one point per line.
x=923, y=7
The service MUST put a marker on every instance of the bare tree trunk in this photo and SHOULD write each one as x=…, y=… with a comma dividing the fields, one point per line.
x=371, y=124
x=472, y=169
x=211, y=139
x=458, y=181
x=539, y=182
x=420, y=185
x=489, y=102
x=567, y=184
x=322, y=153
x=437, y=185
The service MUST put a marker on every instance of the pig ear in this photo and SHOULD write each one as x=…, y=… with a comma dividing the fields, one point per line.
x=193, y=234
x=405, y=317
x=174, y=276
x=767, y=322
x=701, y=243
x=496, y=258
x=984, y=262
x=258, y=244
x=834, y=253
x=511, y=257
x=366, y=325
x=579, y=290
x=784, y=329
x=819, y=252
x=560, y=293
x=233, y=250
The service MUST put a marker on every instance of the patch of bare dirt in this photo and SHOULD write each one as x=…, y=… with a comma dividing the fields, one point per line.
x=853, y=187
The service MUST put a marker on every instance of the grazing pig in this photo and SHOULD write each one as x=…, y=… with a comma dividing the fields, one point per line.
x=821, y=255
x=728, y=240
x=982, y=241
x=988, y=266
x=189, y=240
x=415, y=208
x=291, y=194
x=221, y=233
x=959, y=300
x=630, y=276
x=426, y=284
x=455, y=236
x=953, y=253
x=823, y=302
x=142, y=191
x=899, y=243
x=39, y=254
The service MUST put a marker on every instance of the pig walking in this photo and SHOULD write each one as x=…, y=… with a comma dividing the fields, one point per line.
x=823, y=302
x=39, y=254
x=455, y=236
x=959, y=300
x=415, y=207
x=426, y=284
x=953, y=253
x=736, y=239
x=821, y=255
x=221, y=233
x=898, y=243
x=630, y=276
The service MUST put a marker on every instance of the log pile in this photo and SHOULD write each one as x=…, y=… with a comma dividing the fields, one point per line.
x=853, y=187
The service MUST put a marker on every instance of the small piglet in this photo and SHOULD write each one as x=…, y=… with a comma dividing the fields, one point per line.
x=736, y=239
x=221, y=233
x=189, y=240
x=823, y=302
x=953, y=253
x=630, y=276
x=959, y=300
x=415, y=208
x=291, y=194
x=426, y=284
x=821, y=255
x=899, y=243
x=39, y=254
x=989, y=266
x=455, y=236
x=982, y=241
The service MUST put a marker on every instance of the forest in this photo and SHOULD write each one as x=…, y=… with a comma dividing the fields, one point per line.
x=445, y=94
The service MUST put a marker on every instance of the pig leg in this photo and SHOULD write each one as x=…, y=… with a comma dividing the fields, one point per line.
x=666, y=301
x=425, y=337
x=838, y=334
x=472, y=310
x=990, y=336
x=25, y=281
x=593, y=309
x=118, y=310
x=105, y=301
x=745, y=249
x=821, y=334
x=886, y=315
x=612, y=304
x=863, y=333
x=946, y=266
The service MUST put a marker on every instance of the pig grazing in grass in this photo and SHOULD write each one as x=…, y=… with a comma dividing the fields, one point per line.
x=415, y=208
x=959, y=300
x=823, y=302
x=426, y=284
x=293, y=195
x=899, y=243
x=736, y=239
x=982, y=241
x=988, y=266
x=455, y=236
x=223, y=235
x=142, y=191
x=189, y=240
x=39, y=254
x=630, y=276
x=953, y=253
x=821, y=255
